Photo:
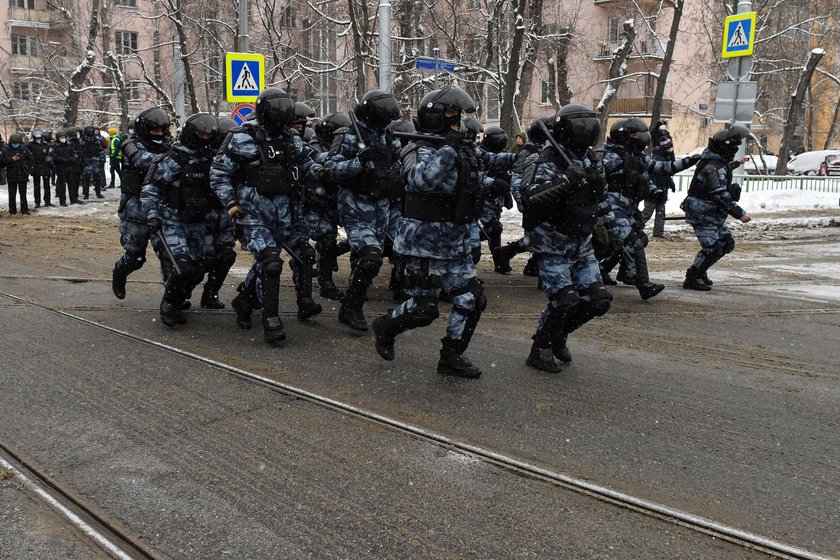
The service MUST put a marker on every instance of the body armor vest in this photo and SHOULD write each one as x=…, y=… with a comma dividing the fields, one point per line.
x=708, y=168
x=194, y=197
x=277, y=171
x=629, y=180
x=576, y=214
x=461, y=207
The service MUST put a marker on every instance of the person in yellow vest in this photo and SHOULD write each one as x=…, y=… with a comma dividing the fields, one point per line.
x=114, y=153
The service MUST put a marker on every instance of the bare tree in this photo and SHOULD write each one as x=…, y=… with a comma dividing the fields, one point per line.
x=77, y=79
x=662, y=78
x=795, y=107
x=617, y=73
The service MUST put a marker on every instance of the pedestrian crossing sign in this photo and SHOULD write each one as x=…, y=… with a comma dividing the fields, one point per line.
x=244, y=76
x=738, y=35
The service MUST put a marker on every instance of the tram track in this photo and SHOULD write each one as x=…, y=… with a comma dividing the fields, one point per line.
x=606, y=494
x=115, y=541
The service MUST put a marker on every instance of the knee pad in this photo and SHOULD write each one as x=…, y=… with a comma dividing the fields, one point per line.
x=727, y=244
x=369, y=261
x=271, y=262
x=426, y=310
x=475, y=288
x=305, y=252
x=134, y=261
x=225, y=257
x=566, y=298
x=494, y=228
x=599, y=298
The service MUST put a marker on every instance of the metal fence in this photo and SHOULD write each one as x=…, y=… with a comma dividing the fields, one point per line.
x=750, y=183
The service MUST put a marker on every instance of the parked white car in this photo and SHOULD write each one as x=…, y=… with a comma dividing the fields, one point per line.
x=756, y=165
x=809, y=163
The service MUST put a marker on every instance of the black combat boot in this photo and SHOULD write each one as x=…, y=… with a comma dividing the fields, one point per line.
x=532, y=267
x=649, y=289
x=541, y=358
x=350, y=313
x=559, y=348
x=384, y=331
x=453, y=363
x=170, y=315
x=502, y=257
x=302, y=278
x=243, y=305
x=705, y=278
x=327, y=264
x=119, y=276
x=694, y=282
x=273, y=332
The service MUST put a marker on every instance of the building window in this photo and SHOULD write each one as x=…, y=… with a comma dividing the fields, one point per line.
x=287, y=18
x=29, y=4
x=132, y=91
x=26, y=91
x=132, y=3
x=126, y=42
x=545, y=93
x=23, y=45
x=614, y=29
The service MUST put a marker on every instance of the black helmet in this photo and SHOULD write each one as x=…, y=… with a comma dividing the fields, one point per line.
x=535, y=132
x=152, y=125
x=16, y=138
x=225, y=125
x=61, y=133
x=308, y=134
x=378, y=109
x=48, y=135
x=495, y=139
x=303, y=112
x=431, y=115
x=331, y=122
x=727, y=141
x=404, y=125
x=472, y=127
x=37, y=135
x=199, y=131
x=576, y=126
x=632, y=133
x=275, y=109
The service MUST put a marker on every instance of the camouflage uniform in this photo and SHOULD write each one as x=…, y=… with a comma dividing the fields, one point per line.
x=177, y=192
x=709, y=202
x=495, y=166
x=362, y=209
x=134, y=233
x=321, y=208
x=437, y=246
x=258, y=171
x=629, y=182
x=562, y=235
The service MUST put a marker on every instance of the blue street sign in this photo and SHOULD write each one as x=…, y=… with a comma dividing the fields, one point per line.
x=428, y=63
x=243, y=76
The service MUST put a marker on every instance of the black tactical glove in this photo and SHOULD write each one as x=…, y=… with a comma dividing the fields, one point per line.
x=500, y=187
x=576, y=175
x=154, y=225
x=689, y=161
x=324, y=174
x=455, y=138
x=734, y=191
x=377, y=154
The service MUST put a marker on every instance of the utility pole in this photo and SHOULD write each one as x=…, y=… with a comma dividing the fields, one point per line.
x=436, y=53
x=180, y=102
x=385, y=45
x=243, y=40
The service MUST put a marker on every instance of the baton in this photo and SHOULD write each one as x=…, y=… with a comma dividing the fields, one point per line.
x=553, y=142
x=168, y=252
x=285, y=246
x=675, y=217
x=361, y=140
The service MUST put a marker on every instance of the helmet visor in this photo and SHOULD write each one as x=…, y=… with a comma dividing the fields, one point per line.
x=583, y=132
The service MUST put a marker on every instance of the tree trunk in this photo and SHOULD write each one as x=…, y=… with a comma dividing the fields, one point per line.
x=829, y=136
x=361, y=84
x=509, y=120
x=659, y=94
x=182, y=41
x=535, y=9
x=618, y=69
x=117, y=78
x=77, y=80
x=795, y=108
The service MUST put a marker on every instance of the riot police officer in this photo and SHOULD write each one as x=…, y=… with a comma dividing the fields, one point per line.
x=94, y=158
x=365, y=176
x=563, y=195
x=628, y=171
x=712, y=197
x=322, y=206
x=41, y=167
x=64, y=162
x=443, y=198
x=254, y=175
x=176, y=199
x=498, y=164
x=151, y=139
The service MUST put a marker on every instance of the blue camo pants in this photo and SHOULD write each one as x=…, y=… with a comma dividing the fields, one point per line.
x=364, y=218
x=574, y=265
x=454, y=275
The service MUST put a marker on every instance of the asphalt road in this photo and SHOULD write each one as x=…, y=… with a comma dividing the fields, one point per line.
x=724, y=405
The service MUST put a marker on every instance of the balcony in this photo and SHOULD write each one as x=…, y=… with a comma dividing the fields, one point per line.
x=645, y=48
x=33, y=19
x=26, y=64
x=636, y=106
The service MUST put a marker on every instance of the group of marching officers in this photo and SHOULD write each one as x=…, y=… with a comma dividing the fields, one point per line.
x=423, y=192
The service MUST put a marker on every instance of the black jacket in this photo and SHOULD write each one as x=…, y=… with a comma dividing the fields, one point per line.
x=16, y=170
